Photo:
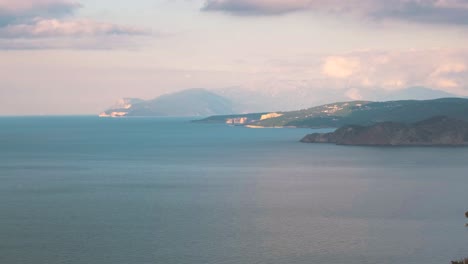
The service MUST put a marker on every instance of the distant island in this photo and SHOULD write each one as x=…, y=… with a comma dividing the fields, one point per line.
x=362, y=113
x=436, y=131
x=193, y=102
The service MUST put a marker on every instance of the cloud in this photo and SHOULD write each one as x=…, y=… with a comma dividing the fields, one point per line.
x=456, y=67
x=354, y=94
x=446, y=83
x=421, y=11
x=436, y=68
x=257, y=7
x=15, y=11
x=107, y=42
x=451, y=76
x=425, y=11
x=48, y=24
x=47, y=28
x=340, y=67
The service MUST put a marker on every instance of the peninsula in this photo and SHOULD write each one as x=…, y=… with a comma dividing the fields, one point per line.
x=436, y=131
x=362, y=113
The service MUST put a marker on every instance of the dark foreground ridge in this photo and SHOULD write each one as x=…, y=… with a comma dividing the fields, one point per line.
x=463, y=261
x=436, y=131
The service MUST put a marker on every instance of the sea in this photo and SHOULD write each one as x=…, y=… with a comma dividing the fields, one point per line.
x=85, y=190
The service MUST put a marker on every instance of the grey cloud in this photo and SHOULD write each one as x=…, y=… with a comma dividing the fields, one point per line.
x=51, y=24
x=83, y=43
x=453, y=12
x=22, y=10
x=431, y=12
x=249, y=7
x=53, y=28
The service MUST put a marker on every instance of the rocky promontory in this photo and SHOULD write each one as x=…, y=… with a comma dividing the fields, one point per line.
x=436, y=131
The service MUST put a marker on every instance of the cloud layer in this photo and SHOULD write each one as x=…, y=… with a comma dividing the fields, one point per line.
x=365, y=74
x=440, y=69
x=46, y=28
x=422, y=11
x=18, y=11
x=254, y=7
x=24, y=20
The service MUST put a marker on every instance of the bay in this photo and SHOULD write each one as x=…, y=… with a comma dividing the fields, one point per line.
x=166, y=190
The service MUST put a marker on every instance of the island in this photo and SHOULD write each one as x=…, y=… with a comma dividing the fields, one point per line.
x=435, y=131
x=191, y=102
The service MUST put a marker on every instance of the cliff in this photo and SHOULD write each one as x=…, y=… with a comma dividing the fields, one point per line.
x=436, y=131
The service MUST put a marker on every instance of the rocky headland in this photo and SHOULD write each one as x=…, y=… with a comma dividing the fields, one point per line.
x=436, y=131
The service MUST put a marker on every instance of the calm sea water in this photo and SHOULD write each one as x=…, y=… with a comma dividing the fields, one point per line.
x=146, y=190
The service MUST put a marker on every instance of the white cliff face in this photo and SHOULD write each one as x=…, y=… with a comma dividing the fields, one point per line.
x=270, y=115
x=113, y=114
x=118, y=109
x=118, y=114
x=246, y=120
x=126, y=103
x=237, y=121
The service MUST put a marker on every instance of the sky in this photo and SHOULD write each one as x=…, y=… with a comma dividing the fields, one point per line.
x=66, y=57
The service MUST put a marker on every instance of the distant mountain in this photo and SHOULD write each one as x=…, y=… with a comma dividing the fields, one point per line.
x=286, y=98
x=357, y=113
x=411, y=93
x=292, y=96
x=436, y=131
x=193, y=102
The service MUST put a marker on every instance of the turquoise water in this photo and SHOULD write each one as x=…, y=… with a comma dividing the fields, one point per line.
x=120, y=191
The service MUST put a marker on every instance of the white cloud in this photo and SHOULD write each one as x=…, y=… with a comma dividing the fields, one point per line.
x=451, y=76
x=354, y=94
x=446, y=83
x=48, y=24
x=362, y=73
x=439, y=69
x=456, y=67
x=340, y=67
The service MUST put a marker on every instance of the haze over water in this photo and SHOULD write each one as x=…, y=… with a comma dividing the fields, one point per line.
x=159, y=190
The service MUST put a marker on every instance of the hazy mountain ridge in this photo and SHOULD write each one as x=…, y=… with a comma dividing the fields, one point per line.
x=301, y=96
x=193, y=102
x=410, y=93
x=203, y=102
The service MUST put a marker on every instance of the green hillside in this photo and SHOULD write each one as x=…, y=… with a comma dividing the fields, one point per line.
x=364, y=113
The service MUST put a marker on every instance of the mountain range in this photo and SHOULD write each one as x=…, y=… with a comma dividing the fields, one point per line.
x=302, y=96
x=202, y=102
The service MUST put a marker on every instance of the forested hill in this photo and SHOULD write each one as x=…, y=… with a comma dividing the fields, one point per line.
x=356, y=113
